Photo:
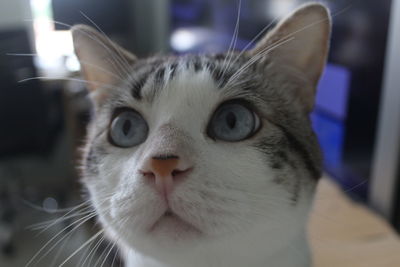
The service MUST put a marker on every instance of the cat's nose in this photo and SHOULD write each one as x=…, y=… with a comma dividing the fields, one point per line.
x=165, y=171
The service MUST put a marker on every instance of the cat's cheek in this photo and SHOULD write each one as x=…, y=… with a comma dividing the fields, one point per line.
x=117, y=169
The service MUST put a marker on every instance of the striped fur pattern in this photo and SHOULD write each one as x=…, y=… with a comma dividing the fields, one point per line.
x=244, y=203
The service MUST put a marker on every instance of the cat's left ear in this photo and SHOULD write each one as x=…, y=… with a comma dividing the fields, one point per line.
x=305, y=36
x=103, y=62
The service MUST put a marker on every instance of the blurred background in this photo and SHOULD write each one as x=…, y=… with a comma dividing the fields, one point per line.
x=44, y=108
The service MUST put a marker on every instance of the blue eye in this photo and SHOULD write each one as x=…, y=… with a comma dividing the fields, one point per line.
x=233, y=122
x=128, y=129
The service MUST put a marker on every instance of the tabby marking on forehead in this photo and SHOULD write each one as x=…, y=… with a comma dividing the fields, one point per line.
x=163, y=72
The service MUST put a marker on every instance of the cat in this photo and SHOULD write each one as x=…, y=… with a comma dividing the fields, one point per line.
x=206, y=160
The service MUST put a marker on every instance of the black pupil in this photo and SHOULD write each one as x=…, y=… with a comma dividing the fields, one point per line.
x=231, y=120
x=126, y=127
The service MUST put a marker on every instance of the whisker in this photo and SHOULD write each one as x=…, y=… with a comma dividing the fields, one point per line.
x=256, y=57
x=81, y=247
x=66, y=79
x=119, y=77
x=114, y=64
x=94, y=251
x=68, y=215
x=266, y=28
x=79, y=222
x=111, y=245
x=61, y=248
x=22, y=54
x=34, y=206
x=123, y=59
x=68, y=234
x=115, y=256
x=100, y=42
x=355, y=187
x=290, y=37
x=47, y=224
x=232, y=45
x=84, y=253
x=344, y=190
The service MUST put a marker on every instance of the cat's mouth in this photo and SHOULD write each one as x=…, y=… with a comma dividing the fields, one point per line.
x=173, y=224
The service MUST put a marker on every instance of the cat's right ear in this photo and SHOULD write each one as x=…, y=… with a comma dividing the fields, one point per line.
x=103, y=62
x=300, y=44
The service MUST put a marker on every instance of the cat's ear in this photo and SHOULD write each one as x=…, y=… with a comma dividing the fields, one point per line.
x=103, y=62
x=301, y=41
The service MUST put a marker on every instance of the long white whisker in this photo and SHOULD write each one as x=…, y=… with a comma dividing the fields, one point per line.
x=117, y=60
x=232, y=45
x=66, y=79
x=82, y=246
x=47, y=224
x=123, y=59
x=111, y=246
x=90, y=248
x=345, y=190
x=22, y=54
x=274, y=21
x=68, y=215
x=60, y=250
x=79, y=222
x=55, y=210
x=256, y=57
x=115, y=256
x=254, y=39
x=94, y=251
x=119, y=76
x=100, y=42
x=84, y=253
x=112, y=62
x=287, y=37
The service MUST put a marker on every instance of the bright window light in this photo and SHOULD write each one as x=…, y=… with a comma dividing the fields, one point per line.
x=55, y=51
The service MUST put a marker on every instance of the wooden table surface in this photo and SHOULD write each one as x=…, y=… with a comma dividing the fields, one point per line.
x=343, y=233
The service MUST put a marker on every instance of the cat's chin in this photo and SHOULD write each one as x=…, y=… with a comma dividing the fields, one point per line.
x=168, y=235
x=171, y=227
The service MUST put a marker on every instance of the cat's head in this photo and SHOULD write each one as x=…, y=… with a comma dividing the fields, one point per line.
x=186, y=152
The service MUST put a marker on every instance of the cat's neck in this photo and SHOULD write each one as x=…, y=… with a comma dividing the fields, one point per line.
x=295, y=254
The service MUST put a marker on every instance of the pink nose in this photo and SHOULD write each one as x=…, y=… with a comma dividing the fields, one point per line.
x=165, y=172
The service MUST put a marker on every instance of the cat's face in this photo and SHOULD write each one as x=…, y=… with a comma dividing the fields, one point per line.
x=188, y=151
